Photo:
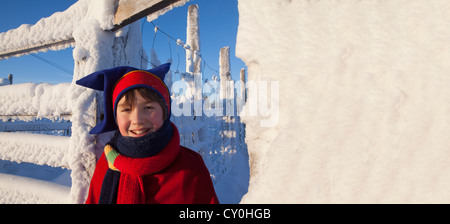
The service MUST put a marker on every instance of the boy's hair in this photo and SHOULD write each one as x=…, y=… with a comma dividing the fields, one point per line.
x=147, y=94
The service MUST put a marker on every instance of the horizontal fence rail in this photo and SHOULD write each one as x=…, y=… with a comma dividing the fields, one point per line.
x=39, y=149
x=32, y=117
x=40, y=125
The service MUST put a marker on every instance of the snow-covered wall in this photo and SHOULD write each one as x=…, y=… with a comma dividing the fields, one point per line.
x=364, y=100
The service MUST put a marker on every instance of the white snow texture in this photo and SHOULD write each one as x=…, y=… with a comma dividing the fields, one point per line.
x=41, y=100
x=363, y=97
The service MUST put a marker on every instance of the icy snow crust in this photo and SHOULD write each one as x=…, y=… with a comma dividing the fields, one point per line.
x=364, y=100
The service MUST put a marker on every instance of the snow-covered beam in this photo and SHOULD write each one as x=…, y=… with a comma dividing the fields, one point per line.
x=55, y=31
x=42, y=47
x=48, y=150
x=29, y=100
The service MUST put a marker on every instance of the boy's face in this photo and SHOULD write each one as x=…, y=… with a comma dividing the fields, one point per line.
x=140, y=118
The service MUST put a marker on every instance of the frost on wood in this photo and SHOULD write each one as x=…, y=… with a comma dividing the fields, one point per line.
x=193, y=61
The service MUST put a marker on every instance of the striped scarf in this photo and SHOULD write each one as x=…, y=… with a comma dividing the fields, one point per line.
x=123, y=182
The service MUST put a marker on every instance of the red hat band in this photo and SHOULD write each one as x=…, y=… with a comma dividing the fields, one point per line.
x=139, y=77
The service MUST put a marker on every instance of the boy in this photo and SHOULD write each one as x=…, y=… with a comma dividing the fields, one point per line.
x=143, y=162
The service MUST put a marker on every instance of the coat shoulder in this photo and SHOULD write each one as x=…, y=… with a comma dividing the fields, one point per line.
x=191, y=159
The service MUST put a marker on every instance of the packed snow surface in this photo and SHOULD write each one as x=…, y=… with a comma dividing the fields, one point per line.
x=363, y=97
x=17, y=190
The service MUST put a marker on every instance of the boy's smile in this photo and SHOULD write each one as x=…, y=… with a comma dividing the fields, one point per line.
x=140, y=118
x=140, y=132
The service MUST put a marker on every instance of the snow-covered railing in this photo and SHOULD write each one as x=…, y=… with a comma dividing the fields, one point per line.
x=35, y=148
x=35, y=126
x=43, y=108
x=111, y=15
x=26, y=102
x=29, y=100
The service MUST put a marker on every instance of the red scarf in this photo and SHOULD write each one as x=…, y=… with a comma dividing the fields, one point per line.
x=131, y=185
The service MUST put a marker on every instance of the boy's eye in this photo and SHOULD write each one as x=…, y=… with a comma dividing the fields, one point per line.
x=125, y=109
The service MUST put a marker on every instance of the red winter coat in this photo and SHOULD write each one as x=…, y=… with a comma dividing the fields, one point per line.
x=185, y=181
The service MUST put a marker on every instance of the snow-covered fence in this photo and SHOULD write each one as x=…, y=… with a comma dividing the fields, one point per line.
x=26, y=102
x=23, y=108
x=34, y=148
x=36, y=126
x=209, y=122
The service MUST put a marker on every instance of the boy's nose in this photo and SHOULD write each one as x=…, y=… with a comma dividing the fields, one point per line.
x=137, y=116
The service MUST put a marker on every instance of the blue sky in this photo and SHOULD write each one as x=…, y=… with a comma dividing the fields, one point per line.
x=218, y=28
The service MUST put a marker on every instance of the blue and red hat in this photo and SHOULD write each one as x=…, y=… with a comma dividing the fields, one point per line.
x=115, y=82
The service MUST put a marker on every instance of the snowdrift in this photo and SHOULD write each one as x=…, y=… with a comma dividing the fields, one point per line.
x=19, y=190
x=363, y=98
